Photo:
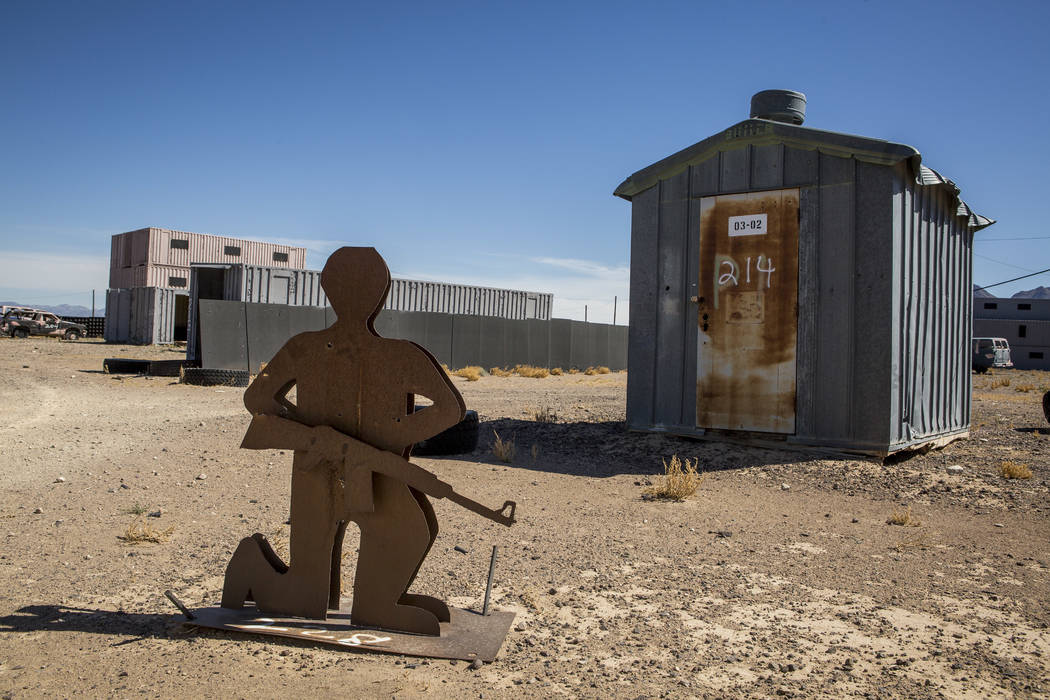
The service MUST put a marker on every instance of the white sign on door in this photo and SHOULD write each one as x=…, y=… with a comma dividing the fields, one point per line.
x=749, y=225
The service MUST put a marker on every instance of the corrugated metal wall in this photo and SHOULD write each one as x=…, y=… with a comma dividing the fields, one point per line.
x=414, y=295
x=141, y=315
x=254, y=284
x=268, y=285
x=932, y=310
x=856, y=368
x=238, y=335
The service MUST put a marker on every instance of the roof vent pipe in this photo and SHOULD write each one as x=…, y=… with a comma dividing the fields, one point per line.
x=785, y=106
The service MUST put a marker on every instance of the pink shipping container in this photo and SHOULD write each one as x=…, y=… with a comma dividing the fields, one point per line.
x=160, y=257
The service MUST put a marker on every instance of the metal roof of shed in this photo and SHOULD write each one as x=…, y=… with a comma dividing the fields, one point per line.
x=760, y=132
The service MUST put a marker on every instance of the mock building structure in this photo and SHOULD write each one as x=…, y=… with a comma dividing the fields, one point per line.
x=1024, y=323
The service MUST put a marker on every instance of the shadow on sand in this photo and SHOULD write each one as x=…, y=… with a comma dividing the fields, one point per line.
x=608, y=449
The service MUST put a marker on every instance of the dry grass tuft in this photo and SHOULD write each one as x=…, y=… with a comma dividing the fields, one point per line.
x=1014, y=470
x=920, y=542
x=503, y=449
x=137, y=509
x=500, y=372
x=680, y=481
x=591, y=371
x=545, y=415
x=1024, y=388
x=556, y=371
x=573, y=370
x=904, y=518
x=141, y=531
x=531, y=372
x=471, y=373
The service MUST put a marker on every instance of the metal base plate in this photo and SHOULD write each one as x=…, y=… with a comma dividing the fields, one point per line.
x=468, y=636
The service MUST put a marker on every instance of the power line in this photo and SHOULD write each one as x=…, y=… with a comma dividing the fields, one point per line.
x=1000, y=262
x=1015, y=279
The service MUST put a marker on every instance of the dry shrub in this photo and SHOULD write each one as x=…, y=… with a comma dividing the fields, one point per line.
x=503, y=449
x=531, y=372
x=920, y=542
x=591, y=371
x=680, y=481
x=545, y=415
x=573, y=370
x=471, y=373
x=1014, y=470
x=141, y=531
x=904, y=518
x=1024, y=388
x=137, y=509
x=500, y=372
x=556, y=371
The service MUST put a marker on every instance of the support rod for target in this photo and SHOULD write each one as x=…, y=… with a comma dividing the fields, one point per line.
x=180, y=605
x=488, y=588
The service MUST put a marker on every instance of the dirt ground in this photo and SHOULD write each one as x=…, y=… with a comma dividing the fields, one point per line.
x=781, y=576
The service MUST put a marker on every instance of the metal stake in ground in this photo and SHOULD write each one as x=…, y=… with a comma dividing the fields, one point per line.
x=488, y=588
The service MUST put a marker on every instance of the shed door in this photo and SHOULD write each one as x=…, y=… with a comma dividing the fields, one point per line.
x=748, y=312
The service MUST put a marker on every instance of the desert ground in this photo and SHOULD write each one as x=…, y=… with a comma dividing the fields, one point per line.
x=781, y=576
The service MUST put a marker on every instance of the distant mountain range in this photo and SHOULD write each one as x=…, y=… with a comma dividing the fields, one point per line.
x=1037, y=293
x=61, y=309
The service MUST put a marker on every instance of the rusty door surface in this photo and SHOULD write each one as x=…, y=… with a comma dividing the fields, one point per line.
x=747, y=317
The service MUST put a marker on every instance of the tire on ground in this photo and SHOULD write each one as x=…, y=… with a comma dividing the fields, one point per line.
x=72, y=335
x=200, y=376
x=120, y=365
x=460, y=438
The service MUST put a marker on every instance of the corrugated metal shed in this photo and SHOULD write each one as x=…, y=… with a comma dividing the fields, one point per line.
x=882, y=320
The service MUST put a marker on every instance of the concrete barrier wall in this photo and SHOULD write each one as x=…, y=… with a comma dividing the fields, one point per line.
x=239, y=335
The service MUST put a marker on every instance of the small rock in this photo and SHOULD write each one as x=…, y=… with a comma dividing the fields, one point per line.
x=954, y=469
x=202, y=477
x=38, y=511
x=520, y=627
x=60, y=480
x=854, y=520
x=157, y=513
x=124, y=486
x=999, y=525
x=460, y=549
x=785, y=487
x=476, y=664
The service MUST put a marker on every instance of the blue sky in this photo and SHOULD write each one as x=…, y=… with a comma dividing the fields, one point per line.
x=476, y=142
